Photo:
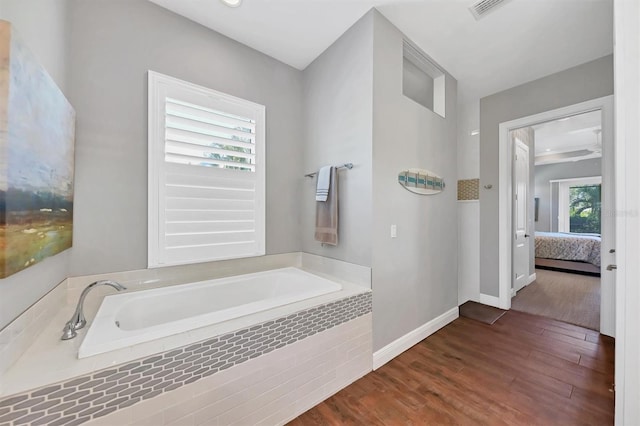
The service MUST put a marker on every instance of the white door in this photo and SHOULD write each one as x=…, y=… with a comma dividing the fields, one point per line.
x=520, y=214
x=608, y=225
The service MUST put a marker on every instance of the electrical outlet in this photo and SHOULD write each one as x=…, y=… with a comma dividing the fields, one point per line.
x=394, y=231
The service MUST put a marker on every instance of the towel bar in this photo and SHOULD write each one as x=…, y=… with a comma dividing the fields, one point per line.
x=344, y=166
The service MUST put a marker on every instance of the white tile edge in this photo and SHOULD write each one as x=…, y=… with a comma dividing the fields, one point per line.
x=395, y=348
x=205, y=270
x=20, y=333
x=338, y=269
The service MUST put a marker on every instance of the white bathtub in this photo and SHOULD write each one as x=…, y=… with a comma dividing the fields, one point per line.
x=131, y=318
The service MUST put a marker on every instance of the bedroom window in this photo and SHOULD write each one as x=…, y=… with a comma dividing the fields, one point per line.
x=580, y=206
x=206, y=174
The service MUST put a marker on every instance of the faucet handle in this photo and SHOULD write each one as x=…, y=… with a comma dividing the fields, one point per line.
x=69, y=331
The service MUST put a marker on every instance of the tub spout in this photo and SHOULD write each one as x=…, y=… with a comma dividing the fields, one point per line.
x=78, y=320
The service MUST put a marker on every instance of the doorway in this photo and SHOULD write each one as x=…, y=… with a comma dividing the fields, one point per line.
x=565, y=189
x=603, y=108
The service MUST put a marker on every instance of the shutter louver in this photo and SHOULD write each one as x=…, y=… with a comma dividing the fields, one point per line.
x=201, y=136
x=210, y=181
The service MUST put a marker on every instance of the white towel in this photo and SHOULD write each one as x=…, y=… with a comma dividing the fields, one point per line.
x=324, y=181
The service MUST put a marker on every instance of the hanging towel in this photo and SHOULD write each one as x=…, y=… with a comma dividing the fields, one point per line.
x=324, y=180
x=327, y=213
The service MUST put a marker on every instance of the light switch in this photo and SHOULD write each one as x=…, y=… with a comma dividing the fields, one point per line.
x=394, y=231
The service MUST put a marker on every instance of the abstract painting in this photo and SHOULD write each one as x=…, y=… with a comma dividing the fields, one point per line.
x=37, y=135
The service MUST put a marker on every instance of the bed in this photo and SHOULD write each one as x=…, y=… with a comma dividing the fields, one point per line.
x=572, y=252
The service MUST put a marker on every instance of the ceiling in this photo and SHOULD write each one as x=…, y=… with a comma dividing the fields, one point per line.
x=569, y=139
x=518, y=42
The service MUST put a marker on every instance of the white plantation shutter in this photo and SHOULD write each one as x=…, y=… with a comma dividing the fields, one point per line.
x=206, y=174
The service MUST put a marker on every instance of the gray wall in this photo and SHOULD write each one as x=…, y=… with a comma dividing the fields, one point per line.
x=548, y=209
x=355, y=111
x=113, y=44
x=338, y=94
x=415, y=274
x=45, y=33
x=584, y=82
x=99, y=51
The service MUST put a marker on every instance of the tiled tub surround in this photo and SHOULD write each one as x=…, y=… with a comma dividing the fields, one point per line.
x=41, y=347
x=326, y=347
x=21, y=334
x=268, y=390
x=129, y=318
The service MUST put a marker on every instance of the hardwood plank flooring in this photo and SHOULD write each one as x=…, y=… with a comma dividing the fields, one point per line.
x=522, y=370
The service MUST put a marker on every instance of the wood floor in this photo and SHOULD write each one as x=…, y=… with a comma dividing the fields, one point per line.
x=522, y=370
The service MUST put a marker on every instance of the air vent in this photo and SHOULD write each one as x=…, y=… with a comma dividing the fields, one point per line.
x=481, y=8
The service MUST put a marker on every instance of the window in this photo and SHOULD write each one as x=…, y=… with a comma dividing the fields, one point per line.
x=579, y=205
x=206, y=174
x=422, y=80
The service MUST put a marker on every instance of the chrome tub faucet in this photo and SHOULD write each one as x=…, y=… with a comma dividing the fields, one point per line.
x=78, y=320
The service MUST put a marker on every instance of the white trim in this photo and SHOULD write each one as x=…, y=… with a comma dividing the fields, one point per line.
x=627, y=103
x=159, y=88
x=550, y=208
x=577, y=179
x=485, y=299
x=468, y=201
x=153, y=203
x=505, y=180
x=531, y=279
x=395, y=348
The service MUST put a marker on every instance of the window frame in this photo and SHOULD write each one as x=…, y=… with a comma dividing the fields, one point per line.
x=160, y=87
x=564, y=220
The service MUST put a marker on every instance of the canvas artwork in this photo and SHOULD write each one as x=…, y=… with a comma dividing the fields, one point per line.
x=37, y=134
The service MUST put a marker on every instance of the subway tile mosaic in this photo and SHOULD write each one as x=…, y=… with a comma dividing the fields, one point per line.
x=95, y=395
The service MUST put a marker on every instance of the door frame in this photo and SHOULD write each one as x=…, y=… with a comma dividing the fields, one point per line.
x=505, y=179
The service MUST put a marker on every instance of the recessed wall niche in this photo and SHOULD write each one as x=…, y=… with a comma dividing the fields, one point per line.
x=422, y=80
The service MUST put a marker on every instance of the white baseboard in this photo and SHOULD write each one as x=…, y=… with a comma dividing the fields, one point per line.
x=485, y=299
x=531, y=279
x=395, y=348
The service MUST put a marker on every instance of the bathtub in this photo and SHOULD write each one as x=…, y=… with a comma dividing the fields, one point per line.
x=131, y=318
